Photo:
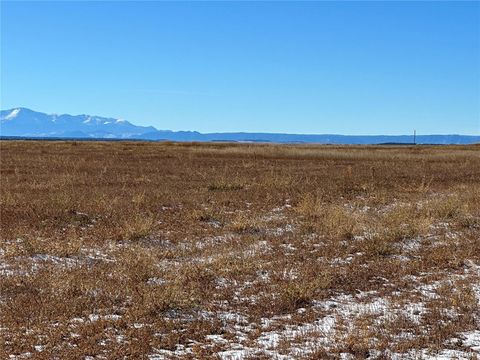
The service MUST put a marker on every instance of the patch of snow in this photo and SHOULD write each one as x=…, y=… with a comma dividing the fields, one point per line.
x=216, y=339
x=13, y=114
x=93, y=317
x=156, y=281
x=113, y=317
x=288, y=247
x=281, y=230
x=39, y=348
x=214, y=223
x=77, y=320
x=68, y=262
x=471, y=339
x=412, y=244
x=236, y=354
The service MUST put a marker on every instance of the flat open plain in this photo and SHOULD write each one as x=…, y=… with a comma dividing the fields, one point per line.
x=113, y=250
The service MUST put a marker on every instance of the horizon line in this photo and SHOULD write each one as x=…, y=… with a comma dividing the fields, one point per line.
x=253, y=132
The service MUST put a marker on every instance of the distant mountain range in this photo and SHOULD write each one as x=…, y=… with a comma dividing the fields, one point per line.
x=26, y=123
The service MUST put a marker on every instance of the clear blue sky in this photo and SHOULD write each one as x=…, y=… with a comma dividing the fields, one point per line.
x=297, y=67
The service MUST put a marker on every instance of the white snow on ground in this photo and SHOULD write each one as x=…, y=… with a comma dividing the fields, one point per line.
x=302, y=339
x=305, y=338
x=341, y=310
x=278, y=231
x=472, y=339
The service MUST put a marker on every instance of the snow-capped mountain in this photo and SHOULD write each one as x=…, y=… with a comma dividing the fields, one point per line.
x=29, y=123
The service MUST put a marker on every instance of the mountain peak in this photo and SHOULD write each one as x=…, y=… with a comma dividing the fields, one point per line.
x=13, y=114
x=28, y=123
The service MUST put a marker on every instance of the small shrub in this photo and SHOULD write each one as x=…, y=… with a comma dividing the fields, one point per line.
x=138, y=227
x=245, y=223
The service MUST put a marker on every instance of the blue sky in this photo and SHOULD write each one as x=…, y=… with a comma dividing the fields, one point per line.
x=296, y=67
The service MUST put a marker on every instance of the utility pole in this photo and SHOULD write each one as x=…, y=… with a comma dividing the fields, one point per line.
x=414, y=137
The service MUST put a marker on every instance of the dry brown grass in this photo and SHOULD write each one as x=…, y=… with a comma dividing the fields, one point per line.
x=129, y=250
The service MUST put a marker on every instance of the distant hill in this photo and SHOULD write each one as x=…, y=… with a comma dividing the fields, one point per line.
x=23, y=122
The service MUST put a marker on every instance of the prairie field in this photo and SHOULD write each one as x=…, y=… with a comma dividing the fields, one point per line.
x=137, y=250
